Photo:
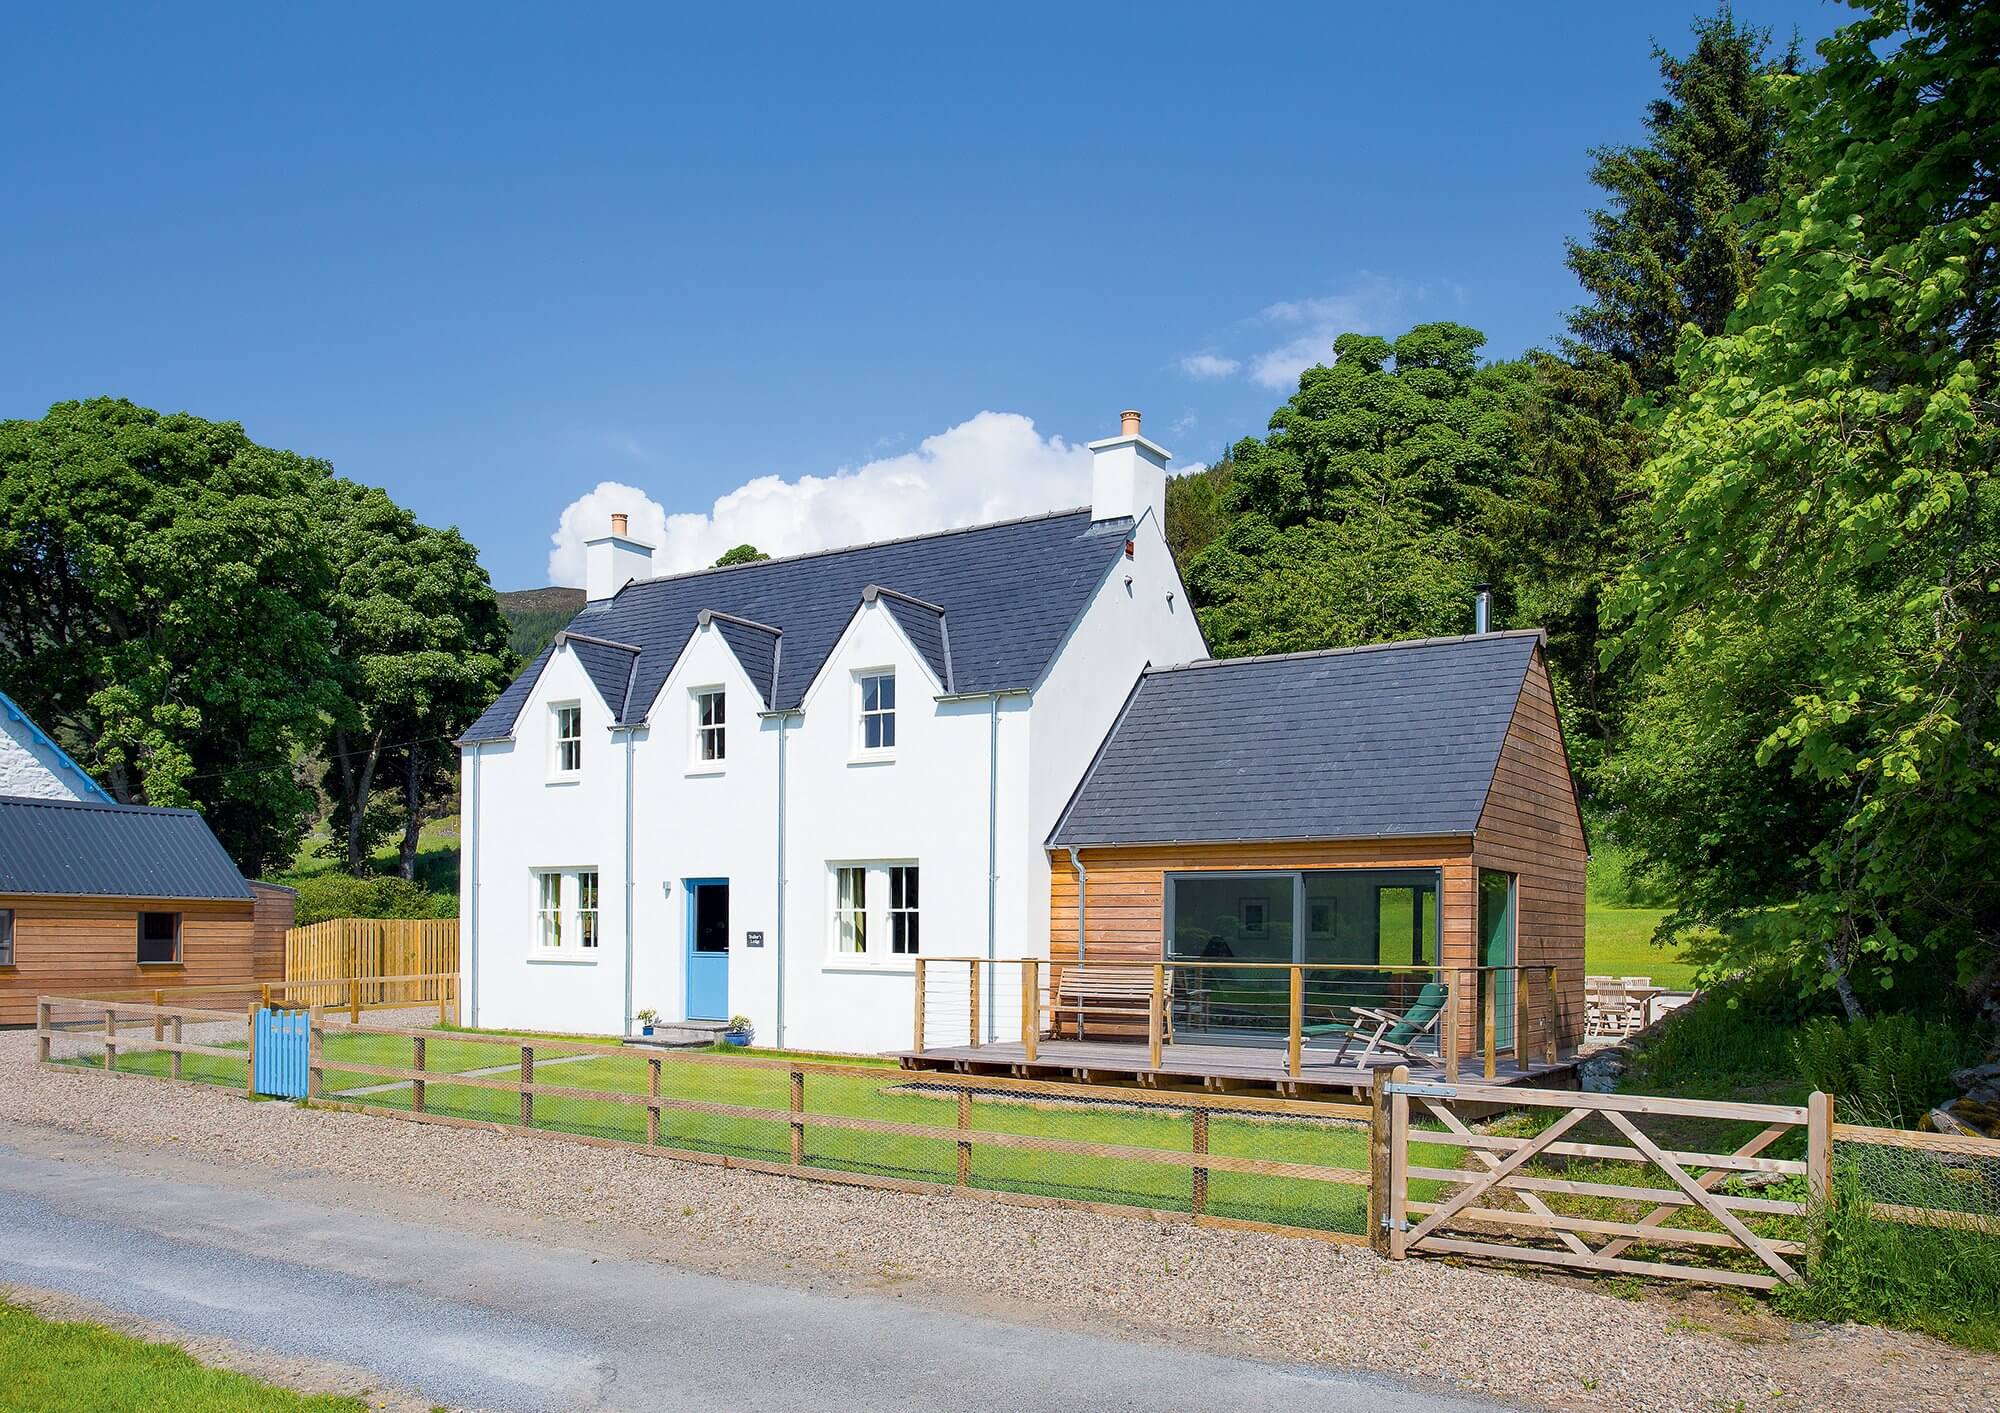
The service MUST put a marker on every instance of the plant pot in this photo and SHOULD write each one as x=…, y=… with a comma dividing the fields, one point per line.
x=645, y=1030
x=736, y=1037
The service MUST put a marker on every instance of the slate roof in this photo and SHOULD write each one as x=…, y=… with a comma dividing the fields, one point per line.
x=1008, y=593
x=81, y=778
x=91, y=849
x=1387, y=741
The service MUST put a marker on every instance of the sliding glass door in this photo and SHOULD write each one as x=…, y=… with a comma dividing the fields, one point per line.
x=1349, y=927
x=1496, y=949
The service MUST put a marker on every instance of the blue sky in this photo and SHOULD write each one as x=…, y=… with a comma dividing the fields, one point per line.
x=489, y=258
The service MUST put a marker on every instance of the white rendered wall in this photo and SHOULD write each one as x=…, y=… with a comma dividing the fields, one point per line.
x=1125, y=628
x=29, y=768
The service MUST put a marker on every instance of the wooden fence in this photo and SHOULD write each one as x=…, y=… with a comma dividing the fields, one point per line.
x=400, y=959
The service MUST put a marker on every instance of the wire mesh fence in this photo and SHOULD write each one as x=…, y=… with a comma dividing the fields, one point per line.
x=1288, y=1164
x=1931, y=1180
x=207, y=1046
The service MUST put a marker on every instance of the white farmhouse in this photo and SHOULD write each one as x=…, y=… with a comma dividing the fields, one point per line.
x=33, y=766
x=766, y=790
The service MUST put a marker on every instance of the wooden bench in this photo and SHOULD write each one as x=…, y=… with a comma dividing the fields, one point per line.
x=1120, y=993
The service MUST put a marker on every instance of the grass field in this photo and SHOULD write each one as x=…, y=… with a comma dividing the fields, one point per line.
x=1617, y=942
x=57, y=1366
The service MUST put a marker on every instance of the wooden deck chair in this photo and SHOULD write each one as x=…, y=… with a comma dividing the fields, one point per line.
x=1387, y=1031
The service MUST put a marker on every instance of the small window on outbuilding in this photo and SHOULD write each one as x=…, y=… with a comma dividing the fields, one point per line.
x=159, y=938
x=6, y=937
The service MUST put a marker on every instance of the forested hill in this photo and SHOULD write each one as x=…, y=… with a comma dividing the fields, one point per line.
x=534, y=616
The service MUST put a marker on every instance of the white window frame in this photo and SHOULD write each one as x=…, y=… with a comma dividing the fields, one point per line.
x=700, y=732
x=587, y=935
x=905, y=913
x=576, y=919
x=863, y=714
x=558, y=771
x=548, y=910
x=876, y=917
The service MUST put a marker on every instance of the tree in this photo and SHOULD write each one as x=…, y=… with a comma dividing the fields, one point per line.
x=742, y=554
x=1347, y=523
x=420, y=647
x=1670, y=249
x=1197, y=511
x=161, y=589
x=1828, y=469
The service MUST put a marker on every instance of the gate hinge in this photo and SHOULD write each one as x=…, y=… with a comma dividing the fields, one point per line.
x=1395, y=1223
x=1427, y=1091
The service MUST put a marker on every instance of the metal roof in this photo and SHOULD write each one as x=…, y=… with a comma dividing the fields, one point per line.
x=1394, y=740
x=90, y=849
x=1003, y=596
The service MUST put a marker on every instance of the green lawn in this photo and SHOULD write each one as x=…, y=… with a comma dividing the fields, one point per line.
x=51, y=1366
x=1617, y=942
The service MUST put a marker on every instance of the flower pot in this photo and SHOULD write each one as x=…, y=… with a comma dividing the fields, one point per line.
x=645, y=1030
x=736, y=1037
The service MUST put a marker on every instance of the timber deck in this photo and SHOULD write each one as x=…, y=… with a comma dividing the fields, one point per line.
x=1209, y=1066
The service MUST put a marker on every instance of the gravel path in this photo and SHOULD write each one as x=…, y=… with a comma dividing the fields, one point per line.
x=1552, y=1342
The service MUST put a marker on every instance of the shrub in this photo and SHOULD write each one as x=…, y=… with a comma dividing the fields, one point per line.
x=1738, y=1034
x=330, y=895
x=1893, y=1067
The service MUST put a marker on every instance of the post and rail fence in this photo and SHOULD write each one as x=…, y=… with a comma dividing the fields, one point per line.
x=1712, y=1192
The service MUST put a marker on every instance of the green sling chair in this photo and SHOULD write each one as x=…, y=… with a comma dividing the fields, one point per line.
x=1386, y=1031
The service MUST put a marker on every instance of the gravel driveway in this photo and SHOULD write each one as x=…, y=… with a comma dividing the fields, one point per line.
x=1554, y=1342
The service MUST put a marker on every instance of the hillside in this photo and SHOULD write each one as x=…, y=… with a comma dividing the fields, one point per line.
x=534, y=616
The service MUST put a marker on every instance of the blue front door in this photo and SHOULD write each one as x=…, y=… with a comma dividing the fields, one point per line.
x=708, y=949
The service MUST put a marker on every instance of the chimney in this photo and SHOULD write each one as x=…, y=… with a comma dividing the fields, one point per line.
x=1128, y=476
x=1482, y=608
x=611, y=561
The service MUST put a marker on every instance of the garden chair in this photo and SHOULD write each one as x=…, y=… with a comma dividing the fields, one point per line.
x=1388, y=1032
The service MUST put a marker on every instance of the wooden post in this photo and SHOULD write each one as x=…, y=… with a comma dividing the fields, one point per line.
x=798, y=1116
x=1819, y=1171
x=250, y=1055
x=527, y=1078
x=315, y=1052
x=972, y=989
x=1521, y=999
x=42, y=1030
x=653, y=1093
x=1449, y=1053
x=111, y=1038
x=1551, y=1033
x=174, y=1060
x=444, y=992
x=965, y=1140
x=417, y=1087
x=1295, y=1035
x=1031, y=1006
x=266, y=996
x=1156, y=1015
x=917, y=1041
x=353, y=1000
x=1199, y=1198
x=159, y=1021
x=1378, y=1161
x=1397, y=1202
x=1489, y=1002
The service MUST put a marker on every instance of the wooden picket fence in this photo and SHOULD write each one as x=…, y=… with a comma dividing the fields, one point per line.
x=403, y=961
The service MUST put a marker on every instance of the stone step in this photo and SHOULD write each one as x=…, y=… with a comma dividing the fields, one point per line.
x=680, y=1035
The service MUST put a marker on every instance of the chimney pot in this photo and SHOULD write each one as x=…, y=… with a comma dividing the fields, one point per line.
x=1129, y=423
x=1482, y=608
x=619, y=522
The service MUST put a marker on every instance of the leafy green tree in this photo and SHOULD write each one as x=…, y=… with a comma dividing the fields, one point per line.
x=1829, y=470
x=742, y=554
x=1347, y=523
x=1197, y=512
x=420, y=648
x=161, y=589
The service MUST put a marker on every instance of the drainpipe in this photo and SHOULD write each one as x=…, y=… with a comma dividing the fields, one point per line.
x=778, y=941
x=471, y=959
x=1082, y=880
x=628, y=883
x=992, y=859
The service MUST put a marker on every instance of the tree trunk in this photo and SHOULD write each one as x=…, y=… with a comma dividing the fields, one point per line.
x=357, y=783
x=413, y=811
x=1844, y=988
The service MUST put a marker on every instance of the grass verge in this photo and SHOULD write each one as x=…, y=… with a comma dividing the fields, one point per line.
x=62, y=1366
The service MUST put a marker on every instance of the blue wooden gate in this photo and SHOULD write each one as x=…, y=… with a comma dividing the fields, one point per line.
x=284, y=1040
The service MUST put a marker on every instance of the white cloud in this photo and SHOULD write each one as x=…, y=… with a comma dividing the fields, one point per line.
x=1209, y=365
x=990, y=467
x=1368, y=306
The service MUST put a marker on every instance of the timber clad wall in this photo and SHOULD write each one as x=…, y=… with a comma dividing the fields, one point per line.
x=1529, y=826
x=86, y=946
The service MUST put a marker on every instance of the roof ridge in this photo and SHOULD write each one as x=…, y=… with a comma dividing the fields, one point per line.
x=850, y=549
x=1540, y=634
x=106, y=805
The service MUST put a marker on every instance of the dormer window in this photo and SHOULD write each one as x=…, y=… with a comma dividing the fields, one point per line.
x=566, y=756
x=711, y=746
x=878, y=711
